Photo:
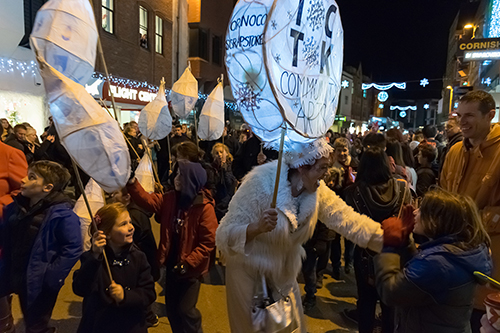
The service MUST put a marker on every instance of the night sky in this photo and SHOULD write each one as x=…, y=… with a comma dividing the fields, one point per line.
x=400, y=40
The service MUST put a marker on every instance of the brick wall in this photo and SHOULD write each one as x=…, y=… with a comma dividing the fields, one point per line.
x=123, y=53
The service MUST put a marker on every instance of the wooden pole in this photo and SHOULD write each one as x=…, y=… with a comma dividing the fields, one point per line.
x=99, y=47
x=196, y=128
x=94, y=225
x=169, y=154
x=278, y=170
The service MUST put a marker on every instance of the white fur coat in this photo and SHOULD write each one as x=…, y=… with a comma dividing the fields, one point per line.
x=278, y=254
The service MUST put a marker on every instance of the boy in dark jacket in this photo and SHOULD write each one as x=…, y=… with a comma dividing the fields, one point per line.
x=427, y=175
x=41, y=241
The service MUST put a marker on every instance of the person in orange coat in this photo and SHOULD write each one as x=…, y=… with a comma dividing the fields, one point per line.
x=12, y=169
x=188, y=225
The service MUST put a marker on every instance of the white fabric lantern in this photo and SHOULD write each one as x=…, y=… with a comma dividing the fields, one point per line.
x=303, y=46
x=253, y=66
x=96, y=200
x=184, y=94
x=211, y=124
x=246, y=69
x=65, y=35
x=87, y=131
x=155, y=121
x=144, y=174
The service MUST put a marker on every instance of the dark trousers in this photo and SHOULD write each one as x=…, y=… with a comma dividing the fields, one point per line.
x=181, y=296
x=6, y=319
x=37, y=315
x=368, y=297
x=475, y=320
x=336, y=252
x=311, y=265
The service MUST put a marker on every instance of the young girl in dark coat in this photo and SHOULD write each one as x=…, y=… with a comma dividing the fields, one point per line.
x=118, y=304
x=434, y=290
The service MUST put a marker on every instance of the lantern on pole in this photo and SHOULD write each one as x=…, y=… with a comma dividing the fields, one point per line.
x=211, y=123
x=284, y=61
x=96, y=200
x=155, y=121
x=91, y=137
x=184, y=93
x=65, y=35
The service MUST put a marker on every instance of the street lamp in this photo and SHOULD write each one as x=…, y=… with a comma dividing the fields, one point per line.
x=471, y=26
x=451, y=97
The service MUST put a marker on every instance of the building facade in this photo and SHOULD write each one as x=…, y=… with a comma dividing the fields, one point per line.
x=208, y=21
x=480, y=22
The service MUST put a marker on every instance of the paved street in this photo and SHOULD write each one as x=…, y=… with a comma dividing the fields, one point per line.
x=331, y=300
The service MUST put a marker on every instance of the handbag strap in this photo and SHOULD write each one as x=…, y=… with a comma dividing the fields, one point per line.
x=264, y=286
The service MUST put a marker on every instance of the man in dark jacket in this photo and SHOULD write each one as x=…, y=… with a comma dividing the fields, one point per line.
x=163, y=154
x=454, y=135
x=41, y=241
x=18, y=138
x=250, y=154
x=426, y=175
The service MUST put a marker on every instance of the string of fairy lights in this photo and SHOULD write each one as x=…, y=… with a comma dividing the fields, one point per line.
x=30, y=68
x=22, y=67
x=151, y=88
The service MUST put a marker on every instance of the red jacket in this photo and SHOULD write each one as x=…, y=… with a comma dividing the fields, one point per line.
x=12, y=169
x=197, y=238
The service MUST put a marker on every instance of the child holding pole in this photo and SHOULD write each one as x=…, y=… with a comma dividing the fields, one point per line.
x=116, y=303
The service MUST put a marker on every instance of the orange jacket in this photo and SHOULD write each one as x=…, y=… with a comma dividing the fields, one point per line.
x=12, y=169
x=475, y=172
x=197, y=235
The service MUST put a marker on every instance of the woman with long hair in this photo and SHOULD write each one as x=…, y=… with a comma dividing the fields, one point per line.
x=6, y=129
x=377, y=194
x=225, y=182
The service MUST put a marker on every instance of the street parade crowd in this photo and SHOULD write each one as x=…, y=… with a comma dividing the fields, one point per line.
x=417, y=214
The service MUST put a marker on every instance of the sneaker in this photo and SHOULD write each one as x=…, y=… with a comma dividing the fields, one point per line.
x=348, y=268
x=351, y=315
x=153, y=321
x=309, y=302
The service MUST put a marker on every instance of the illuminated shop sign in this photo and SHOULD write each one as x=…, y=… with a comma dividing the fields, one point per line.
x=141, y=96
x=482, y=55
x=479, y=49
x=98, y=88
x=480, y=44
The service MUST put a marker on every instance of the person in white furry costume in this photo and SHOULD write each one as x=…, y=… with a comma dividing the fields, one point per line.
x=258, y=241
